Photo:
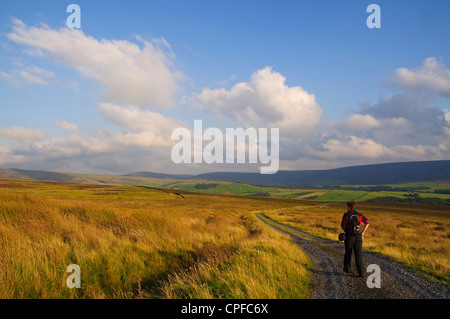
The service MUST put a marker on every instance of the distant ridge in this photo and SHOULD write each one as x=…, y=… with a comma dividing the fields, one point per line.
x=14, y=173
x=375, y=174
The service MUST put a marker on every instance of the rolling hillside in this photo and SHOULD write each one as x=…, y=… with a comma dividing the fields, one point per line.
x=377, y=174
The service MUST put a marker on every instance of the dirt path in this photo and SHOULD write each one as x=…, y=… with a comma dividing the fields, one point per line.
x=330, y=282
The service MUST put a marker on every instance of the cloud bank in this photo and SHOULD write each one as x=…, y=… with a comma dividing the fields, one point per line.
x=136, y=78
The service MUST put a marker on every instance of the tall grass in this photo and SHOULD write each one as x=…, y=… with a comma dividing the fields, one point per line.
x=266, y=266
x=140, y=243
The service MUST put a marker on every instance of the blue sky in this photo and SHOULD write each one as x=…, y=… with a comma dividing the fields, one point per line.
x=341, y=93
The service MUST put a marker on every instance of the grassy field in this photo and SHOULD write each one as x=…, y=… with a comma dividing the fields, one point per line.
x=135, y=242
x=138, y=242
x=413, y=234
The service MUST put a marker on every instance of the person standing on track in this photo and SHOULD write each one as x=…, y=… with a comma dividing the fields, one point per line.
x=351, y=224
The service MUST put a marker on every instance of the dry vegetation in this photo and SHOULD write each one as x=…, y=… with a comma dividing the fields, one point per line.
x=134, y=242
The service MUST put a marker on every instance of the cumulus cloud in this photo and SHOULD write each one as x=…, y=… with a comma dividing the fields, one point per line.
x=264, y=100
x=129, y=73
x=432, y=75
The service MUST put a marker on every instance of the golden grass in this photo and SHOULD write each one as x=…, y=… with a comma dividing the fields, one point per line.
x=416, y=235
x=133, y=242
x=268, y=266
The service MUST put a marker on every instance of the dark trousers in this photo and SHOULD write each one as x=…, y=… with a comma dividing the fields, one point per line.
x=353, y=244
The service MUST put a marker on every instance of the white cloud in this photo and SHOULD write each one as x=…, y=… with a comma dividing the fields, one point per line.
x=354, y=147
x=130, y=74
x=72, y=146
x=68, y=126
x=264, y=100
x=432, y=75
x=21, y=133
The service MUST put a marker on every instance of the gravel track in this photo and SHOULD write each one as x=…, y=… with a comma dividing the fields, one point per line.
x=329, y=281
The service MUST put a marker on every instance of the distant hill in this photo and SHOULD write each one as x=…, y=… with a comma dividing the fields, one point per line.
x=130, y=180
x=23, y=174
x=376, y=174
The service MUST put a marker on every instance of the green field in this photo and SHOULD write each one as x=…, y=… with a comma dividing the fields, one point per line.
x=326, y=194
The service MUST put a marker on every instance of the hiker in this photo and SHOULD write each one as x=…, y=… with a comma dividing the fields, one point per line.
x=351, y=224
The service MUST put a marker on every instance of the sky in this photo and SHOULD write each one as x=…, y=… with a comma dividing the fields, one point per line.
x=106, y=97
